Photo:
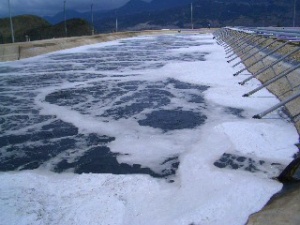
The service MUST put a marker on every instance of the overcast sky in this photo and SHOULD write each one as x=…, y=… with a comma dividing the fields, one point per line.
x=51, y=7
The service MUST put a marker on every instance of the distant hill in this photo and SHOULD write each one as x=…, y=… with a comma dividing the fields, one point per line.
x=70, y=14
x=139, y=6
x=133, y=7
x=138, y=15
x=37, y=28
x=177, y=14
x=21, y=25
x=157, y=14
x=75, y=27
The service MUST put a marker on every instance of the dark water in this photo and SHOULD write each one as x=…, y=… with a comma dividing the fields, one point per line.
x=233, y=161
x=103, y=83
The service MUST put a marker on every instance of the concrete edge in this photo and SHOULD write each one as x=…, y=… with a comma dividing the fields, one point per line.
x=22, y=50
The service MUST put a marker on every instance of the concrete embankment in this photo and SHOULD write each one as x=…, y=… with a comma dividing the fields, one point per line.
x=284, y=87
x=283, y=208
x=16, y=51
x=21, y=50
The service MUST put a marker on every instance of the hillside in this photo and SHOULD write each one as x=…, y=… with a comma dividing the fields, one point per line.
x=218, y=13
x=37, y=28
x=21, y=25
x=157, y=14
x=75, y=27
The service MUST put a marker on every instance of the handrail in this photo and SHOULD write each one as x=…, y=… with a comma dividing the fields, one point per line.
x=284, y=37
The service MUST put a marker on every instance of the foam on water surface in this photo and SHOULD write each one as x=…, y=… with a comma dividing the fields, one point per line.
x=147, y=130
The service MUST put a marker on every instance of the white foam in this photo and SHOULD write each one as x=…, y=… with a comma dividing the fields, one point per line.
x=201, y=193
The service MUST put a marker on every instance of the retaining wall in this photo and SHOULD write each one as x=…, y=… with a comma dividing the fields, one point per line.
x=284, y=207
x=16, y=51
x=285, y=86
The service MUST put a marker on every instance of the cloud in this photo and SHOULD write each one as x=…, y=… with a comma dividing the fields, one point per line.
x=51, y=7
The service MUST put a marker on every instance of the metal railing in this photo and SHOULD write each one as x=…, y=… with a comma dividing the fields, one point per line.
x=248, y=43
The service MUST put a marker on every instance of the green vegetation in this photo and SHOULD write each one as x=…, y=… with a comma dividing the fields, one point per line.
x=37, y=28
x=22, y=24
x=75, y=27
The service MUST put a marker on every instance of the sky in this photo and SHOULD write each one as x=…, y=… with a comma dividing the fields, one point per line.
x=49, y=8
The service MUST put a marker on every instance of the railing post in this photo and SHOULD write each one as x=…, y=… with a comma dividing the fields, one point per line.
x=291, y=98
x=269, y=66
x=272, y=80
x=239, y=45
x=247, y=51
x=265, y=56
x=253, y=54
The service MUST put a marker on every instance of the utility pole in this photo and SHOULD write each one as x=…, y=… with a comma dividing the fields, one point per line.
x=65, y=19
x=294, y=17
x=116, y=24
x=192, y=23
x=11, y=24
x=92, y=15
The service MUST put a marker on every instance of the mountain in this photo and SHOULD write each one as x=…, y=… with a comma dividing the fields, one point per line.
x=21, y=25
x=70, y=14
x=139, y=6
x=75, y=27
x=133, y=7
x=177, y=14
x=168, y=4
x=158, y=14
x=37, y=28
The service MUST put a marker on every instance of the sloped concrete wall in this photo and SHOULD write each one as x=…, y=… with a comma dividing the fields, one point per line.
x=16, y=51
x=285, y=86
x=283, y=208
x=9, y=52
